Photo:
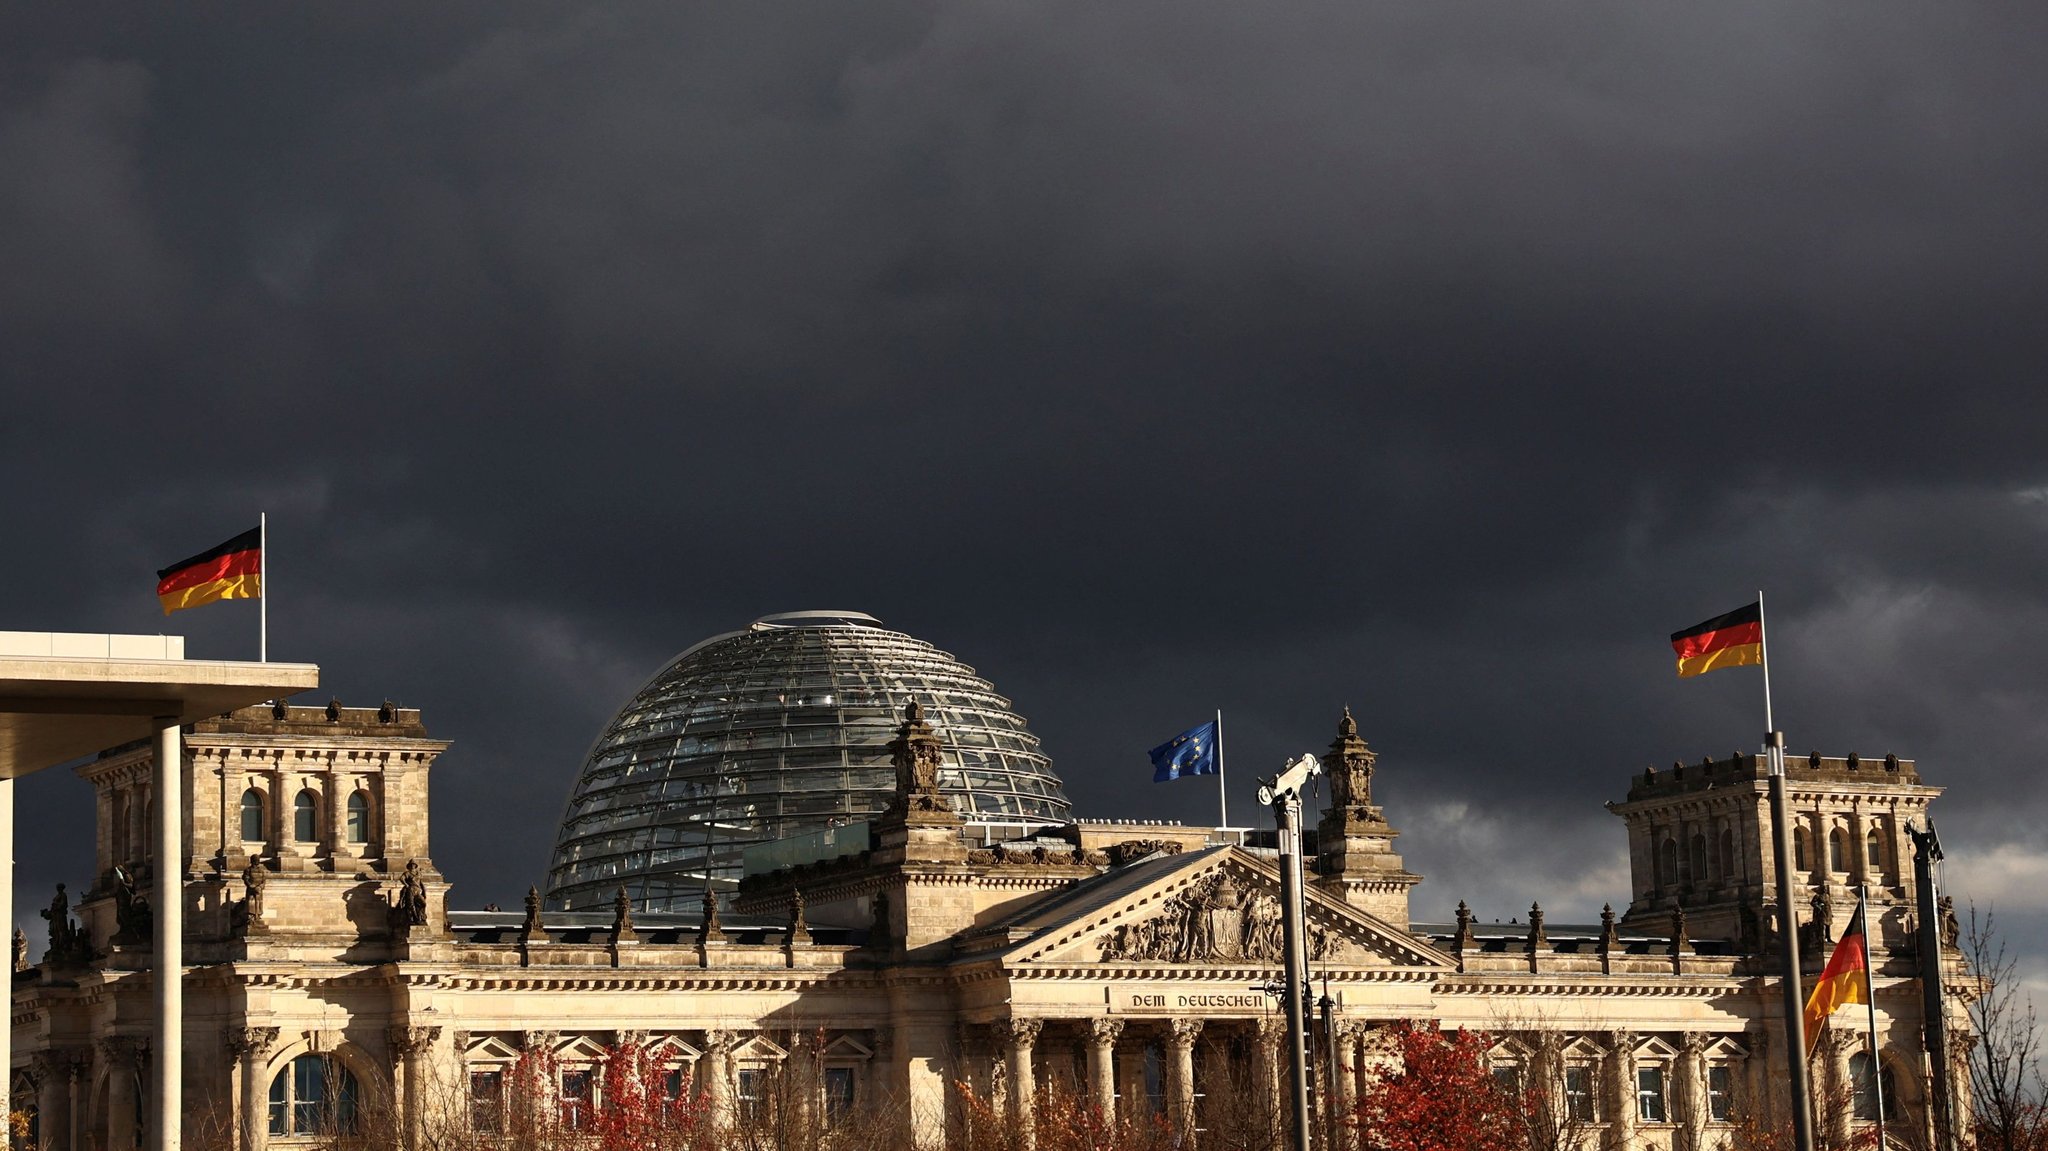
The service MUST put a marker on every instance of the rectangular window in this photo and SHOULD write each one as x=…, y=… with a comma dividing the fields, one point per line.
x=575, y=1100
x=838, y=1094
x=1578, y=1094
x=1508, y=1078
x=1720, y=1081
x=487, y=1102
x=752, y=1083
x=1650, y=1094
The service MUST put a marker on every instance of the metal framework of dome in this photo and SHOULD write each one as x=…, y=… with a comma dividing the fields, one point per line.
x=779, y=730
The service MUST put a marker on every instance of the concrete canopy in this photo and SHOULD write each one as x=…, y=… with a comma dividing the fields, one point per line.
x=65, y=695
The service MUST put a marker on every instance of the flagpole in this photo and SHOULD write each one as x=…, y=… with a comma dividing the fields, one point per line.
x=263, y=590
x=1222, y=793
x=1870, y=1008
x=1796, y=1078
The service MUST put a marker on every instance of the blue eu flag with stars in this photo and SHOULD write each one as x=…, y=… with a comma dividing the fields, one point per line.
x=1192, y=752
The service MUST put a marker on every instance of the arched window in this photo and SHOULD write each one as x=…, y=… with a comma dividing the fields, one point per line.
x=305, y=824
x=313, y=1095
x=1838, y=850
x=1873, y=849
x=252, y=816
x=1699, y=857
x=1865, y=1097
x=1667, y=863
x=358, y=817
x=1727, y=853
x=1799, y=849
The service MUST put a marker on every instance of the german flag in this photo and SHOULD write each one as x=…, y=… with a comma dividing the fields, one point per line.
x=234, y=570
x=1843, y=981
x=1732, y=640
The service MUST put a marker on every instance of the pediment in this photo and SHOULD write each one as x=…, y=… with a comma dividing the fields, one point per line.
x=669, y=1049
x=1220, y=908
x=491, y=1049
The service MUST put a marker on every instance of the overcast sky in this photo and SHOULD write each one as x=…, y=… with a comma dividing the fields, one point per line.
x=1434, y=359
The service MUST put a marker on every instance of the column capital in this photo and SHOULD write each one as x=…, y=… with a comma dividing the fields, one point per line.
x=1019, y=1032
x=717, y=1042
x=408, y=1040
x=251, y=1043
x=1104, y=1030
x=1269, y=1030
x=1183, y=1031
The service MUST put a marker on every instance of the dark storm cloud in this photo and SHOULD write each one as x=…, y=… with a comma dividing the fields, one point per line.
x=1435, y=360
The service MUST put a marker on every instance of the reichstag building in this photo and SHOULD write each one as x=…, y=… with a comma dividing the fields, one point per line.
x=818, y=870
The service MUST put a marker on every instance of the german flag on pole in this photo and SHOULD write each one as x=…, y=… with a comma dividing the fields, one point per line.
x=1843, y=981
x=234, y=570
x=1732, y=640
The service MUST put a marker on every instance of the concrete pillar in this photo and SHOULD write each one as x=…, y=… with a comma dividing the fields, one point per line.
x=167, y=904
x=1180, y=1039
x=1020, y=1036
x=1102, y=1036
x=251, y=1048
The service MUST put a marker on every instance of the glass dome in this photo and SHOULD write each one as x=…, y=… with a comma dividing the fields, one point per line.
x=780, y=730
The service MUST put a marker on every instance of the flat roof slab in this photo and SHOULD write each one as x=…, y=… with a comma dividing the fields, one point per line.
x=65, y=695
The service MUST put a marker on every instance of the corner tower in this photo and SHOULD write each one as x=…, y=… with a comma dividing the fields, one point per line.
x=1355, y=857
x=1699, y=838
x=307, y=816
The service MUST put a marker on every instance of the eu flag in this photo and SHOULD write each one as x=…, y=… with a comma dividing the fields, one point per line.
x=1192, y=752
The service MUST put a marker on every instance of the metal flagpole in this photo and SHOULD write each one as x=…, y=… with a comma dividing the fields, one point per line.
x=1870, y=1008
x=1222, y=793
x=263, y=586
x=1788, y=920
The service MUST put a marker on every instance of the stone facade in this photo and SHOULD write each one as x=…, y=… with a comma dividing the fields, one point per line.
x=1121, y=962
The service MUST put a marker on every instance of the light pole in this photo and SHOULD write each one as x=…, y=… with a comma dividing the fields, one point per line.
x=1283, y=795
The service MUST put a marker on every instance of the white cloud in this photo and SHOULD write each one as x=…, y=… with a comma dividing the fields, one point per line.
x=2011, y=877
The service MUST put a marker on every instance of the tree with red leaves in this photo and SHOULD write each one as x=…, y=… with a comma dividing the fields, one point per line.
x=1441, y=1097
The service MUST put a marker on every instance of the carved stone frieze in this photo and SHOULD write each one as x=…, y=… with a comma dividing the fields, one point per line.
x=1211, y=921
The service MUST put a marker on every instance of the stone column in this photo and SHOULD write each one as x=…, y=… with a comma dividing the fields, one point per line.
x=1269, y=1050
x=1102, y=1037
x=1621, y=1064
x=1019, y=1038
x=1690, y=1087
x=79, y=1076
x=336, y=802
x=1836, y=1047
x=51, y=1071
x=251, y=1048
x=717, y=1064
x=167, y=958
x=1346, y=1075
x=1180, y=1038
x=119, y=1054
x=410, y=1046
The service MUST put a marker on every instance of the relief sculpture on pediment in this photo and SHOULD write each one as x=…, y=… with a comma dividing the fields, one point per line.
x=1212, y=921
